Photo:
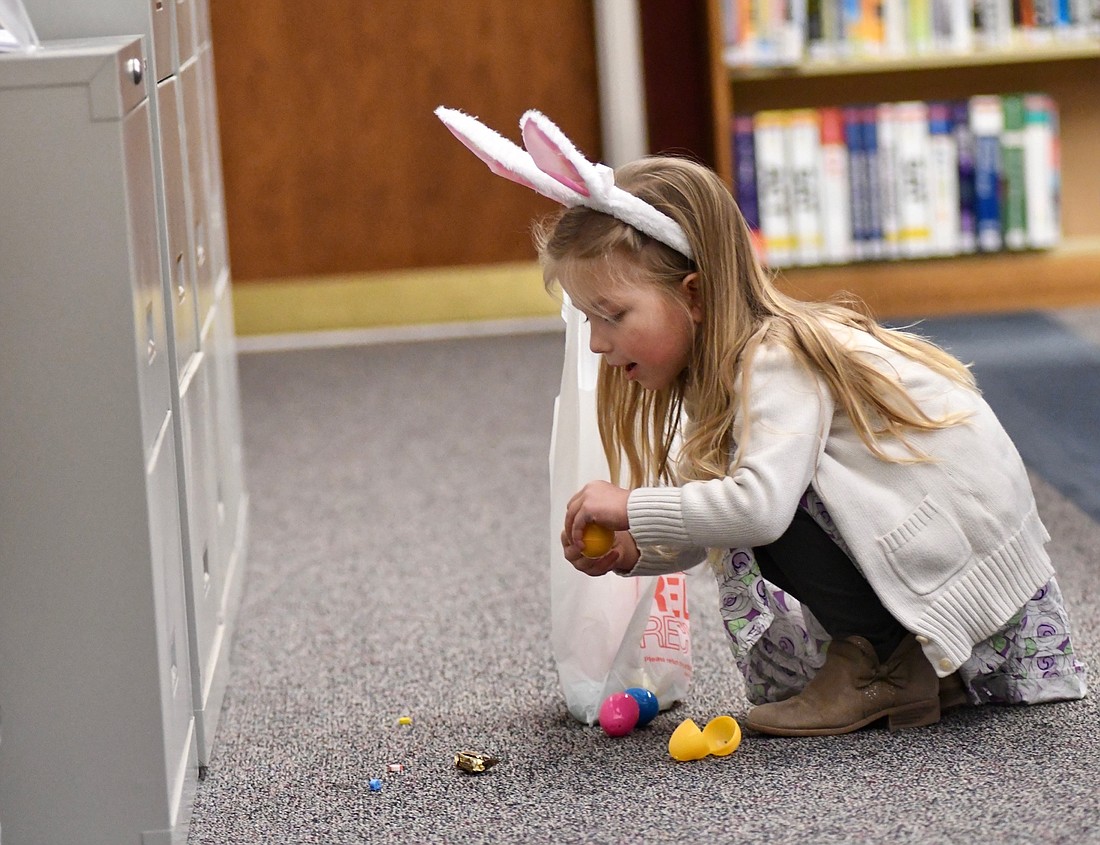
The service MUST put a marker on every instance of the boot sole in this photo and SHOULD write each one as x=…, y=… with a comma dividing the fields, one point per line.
x=917, y=715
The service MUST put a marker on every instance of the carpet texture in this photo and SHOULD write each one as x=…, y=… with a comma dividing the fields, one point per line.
x=398, y=568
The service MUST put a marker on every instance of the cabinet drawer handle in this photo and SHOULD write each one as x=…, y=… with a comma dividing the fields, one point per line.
x=136, y=69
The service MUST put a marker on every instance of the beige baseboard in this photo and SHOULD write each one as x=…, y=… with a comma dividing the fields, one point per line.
x=498, y=292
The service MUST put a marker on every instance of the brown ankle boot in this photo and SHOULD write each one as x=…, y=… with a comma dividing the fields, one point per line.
x=952, y=693
x=853, y=689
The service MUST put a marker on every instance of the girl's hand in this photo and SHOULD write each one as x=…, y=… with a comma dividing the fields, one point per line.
x=597, y=501
x=623, y=556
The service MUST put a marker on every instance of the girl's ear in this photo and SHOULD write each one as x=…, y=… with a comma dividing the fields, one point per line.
x=692, y=296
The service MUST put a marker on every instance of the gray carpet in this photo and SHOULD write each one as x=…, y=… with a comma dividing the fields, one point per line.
x=398, y=567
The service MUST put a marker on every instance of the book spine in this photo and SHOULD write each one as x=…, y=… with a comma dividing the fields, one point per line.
x=964, y=148
x=1064, y=17
x=1080, y=13
x=868, y=123
x=943, y=180
x=744, y=179
x=804, y=154
x=886, y=136
x=942, y=23
x=1023, y=15
x=920, y=26
x=851, y=15
x=794, y=31
x=894, y=28
x=987, y=121
x=857, y=188
x=832, y=29
x=835, y=200
x=914, y=211
x=1014, y=188
x=816, y=45
x=773, y=186
x=1042, y=228
x=993, y=22
x=872, y=22
x=1046, y=21
x=962, y=27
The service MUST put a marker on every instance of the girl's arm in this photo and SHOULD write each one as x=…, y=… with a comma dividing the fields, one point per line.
x=625, y=558
x=790, y=411
x=653, y=562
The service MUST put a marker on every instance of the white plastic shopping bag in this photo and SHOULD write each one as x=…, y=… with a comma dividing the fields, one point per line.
x=608, y=633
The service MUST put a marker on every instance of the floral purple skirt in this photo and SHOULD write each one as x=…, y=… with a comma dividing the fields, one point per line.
x=779, y=645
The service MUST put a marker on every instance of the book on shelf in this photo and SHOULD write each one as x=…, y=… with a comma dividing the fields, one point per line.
x=987, y=123
x=836, y=215
x=908, y=179
x=773, y=187
x=943, y=181
x=868, y=123
x=744, y=178
x=964, y=152
x=895, y=27
x=1041, y=176
x=994, y=24
x=912, y=180
x=1013, y=188
x=862, y=27
x=760, y=33
x=857, y=184
x=918, y=27
x=886, y=132
x=803, y=139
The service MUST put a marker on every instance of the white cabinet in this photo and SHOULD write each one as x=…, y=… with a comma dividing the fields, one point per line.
x=96, y=718
x=123, y=509
x=194, y=267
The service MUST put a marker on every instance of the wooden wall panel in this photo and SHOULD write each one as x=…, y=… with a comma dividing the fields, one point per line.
x=333, y=160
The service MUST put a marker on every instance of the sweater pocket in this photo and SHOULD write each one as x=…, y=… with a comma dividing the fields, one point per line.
x=926, y=549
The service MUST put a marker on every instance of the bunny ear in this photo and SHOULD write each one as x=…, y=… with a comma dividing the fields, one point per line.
x=554, y=154
x=553, y=167
x=503, y=157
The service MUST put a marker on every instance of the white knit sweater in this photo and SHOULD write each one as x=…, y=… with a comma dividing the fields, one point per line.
x=952, y=546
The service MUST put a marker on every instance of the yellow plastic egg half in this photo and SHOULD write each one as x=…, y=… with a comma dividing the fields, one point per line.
x=687, y=743
x=722, y=735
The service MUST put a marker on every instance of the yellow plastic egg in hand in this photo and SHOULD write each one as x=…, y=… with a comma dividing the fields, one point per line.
x=597, y=540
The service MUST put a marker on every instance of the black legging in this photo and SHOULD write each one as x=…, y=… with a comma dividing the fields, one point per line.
x=806, y=563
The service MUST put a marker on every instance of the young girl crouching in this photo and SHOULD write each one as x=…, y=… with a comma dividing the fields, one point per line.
x=870, y=524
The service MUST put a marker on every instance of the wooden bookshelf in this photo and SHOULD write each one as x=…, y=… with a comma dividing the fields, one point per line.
x=1068, y=71
x=1054, y=51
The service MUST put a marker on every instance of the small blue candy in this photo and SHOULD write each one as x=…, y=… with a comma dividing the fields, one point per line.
x=376, y=784
x=647, y=704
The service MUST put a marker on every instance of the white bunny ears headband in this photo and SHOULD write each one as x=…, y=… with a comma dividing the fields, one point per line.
x=553, y=167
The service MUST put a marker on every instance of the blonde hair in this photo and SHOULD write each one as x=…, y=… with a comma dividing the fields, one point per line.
x=740, y=305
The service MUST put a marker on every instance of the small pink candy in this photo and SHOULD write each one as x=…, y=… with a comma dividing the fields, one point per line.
x=619, y=714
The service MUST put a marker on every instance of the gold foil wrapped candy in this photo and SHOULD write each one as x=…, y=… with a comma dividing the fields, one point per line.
x=474, y=762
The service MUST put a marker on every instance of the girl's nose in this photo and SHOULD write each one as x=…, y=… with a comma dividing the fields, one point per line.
x=598, y=343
